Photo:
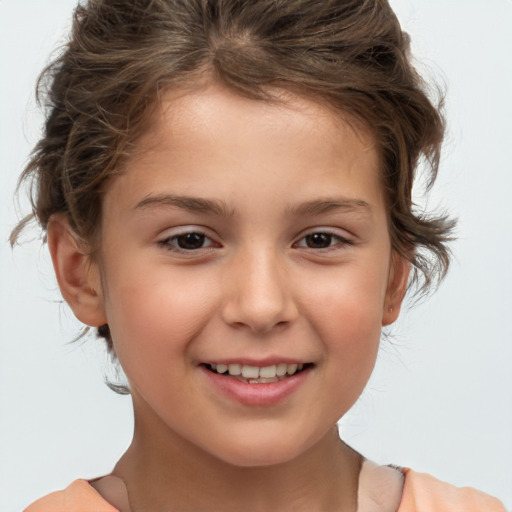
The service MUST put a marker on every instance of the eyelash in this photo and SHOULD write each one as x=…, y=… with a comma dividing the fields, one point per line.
x=170, y=243
x=340, y=240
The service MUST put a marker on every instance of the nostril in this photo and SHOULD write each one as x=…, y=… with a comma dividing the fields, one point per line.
x=258, y=298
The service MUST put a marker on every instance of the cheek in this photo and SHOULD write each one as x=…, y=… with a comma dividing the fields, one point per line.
x=351, y=337
x=155, y=316
x=349, y=302
x=346, y=313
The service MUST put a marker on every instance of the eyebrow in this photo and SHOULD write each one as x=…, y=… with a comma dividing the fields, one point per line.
x=220, y=208
x=322, y=206
x=192, y=204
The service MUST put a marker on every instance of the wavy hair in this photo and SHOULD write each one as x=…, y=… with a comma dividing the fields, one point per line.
x=122, y=55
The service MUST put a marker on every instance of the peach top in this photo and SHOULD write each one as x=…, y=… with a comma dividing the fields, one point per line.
x=421, y=493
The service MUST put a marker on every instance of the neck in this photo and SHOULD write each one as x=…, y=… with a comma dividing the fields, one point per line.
x=166, y=472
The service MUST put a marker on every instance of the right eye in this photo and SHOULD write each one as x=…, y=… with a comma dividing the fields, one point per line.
x=187, y=242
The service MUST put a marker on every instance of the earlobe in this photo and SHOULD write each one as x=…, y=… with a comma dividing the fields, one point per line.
x=397, y=287
x=78, y=278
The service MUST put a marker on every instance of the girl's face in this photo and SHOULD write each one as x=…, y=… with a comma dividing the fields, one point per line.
x=254, y=237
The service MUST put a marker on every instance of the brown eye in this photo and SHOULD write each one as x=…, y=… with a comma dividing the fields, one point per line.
x=321, y=240
x=189, y=241
x=318, y=240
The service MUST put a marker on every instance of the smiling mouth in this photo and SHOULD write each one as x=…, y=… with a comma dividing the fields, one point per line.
x=258, y=374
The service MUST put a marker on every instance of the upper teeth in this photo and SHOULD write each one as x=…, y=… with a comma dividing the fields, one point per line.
x=255, y=372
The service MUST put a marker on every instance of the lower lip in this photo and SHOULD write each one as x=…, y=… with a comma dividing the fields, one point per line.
x=262, y=395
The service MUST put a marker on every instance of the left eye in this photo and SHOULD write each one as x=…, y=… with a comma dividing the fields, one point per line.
x=321, y=241
x=191, y=241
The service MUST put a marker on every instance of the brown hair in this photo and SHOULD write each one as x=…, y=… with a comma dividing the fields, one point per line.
x=351, y=54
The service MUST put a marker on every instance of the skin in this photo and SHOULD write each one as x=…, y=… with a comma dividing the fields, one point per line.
x=257, y=288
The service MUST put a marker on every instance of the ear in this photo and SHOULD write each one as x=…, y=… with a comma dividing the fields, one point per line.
x=397, y=286
x=78, y=277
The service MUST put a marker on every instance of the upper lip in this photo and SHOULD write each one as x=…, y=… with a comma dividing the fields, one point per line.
x=271, y=361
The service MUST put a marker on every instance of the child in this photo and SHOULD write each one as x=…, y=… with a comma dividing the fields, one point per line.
x=226, y=189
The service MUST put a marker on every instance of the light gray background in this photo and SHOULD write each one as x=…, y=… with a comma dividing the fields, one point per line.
x=440, y=400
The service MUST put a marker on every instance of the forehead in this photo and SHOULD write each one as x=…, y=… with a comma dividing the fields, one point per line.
x=209, y=140
x=209, y=104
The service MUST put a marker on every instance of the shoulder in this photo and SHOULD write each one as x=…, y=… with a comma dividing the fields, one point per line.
x=380, y=488
x=424, y=493
x=78, y=497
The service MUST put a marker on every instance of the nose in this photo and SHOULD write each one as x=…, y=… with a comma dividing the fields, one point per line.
x=258, y=293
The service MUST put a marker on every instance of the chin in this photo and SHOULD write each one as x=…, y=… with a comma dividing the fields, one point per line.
x=259, y=453
x=258, y=460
